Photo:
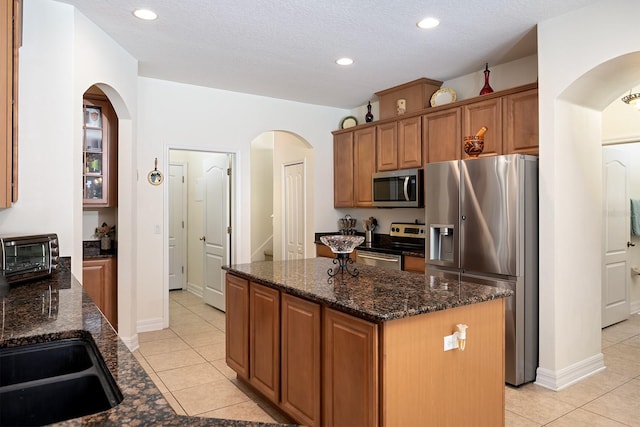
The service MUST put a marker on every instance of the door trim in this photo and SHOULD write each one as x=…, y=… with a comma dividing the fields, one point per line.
x=235, y=160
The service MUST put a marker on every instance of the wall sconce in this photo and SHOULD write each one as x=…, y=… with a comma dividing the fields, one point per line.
x=632, y=99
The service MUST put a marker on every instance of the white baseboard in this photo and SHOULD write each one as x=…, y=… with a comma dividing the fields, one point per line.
x=195, y=289
x=557, y=380
x=634, y=307
x=148, y=325
x=131, y=342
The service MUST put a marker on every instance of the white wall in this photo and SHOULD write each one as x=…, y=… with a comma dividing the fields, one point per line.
x=179, y=115
x=62, y=55
x=261, y=195
x=581, y=72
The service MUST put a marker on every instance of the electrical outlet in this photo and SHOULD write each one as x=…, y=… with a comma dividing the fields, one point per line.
x=450, y=342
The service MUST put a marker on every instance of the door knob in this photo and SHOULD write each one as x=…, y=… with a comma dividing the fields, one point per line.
x=203, y=238
x=629, y=244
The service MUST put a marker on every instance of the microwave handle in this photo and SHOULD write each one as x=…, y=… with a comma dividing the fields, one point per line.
x=406, y=188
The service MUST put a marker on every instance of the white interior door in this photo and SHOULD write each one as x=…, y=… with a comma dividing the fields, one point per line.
x=177, y=231
x=216, y=227
x=294, y=218
x=615, y=272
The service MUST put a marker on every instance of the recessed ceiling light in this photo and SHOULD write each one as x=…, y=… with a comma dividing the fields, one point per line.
x=145, y=14
x=344, y=61
x=428, y=23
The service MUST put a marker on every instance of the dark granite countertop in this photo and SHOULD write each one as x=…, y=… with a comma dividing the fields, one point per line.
x=383, y=243
x=377, y=294
x=57, y=308
x=91, y=250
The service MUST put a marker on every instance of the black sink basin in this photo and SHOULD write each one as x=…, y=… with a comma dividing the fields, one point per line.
x=54, y=381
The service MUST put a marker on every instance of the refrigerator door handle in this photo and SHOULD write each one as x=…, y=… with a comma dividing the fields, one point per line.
x=406, y=188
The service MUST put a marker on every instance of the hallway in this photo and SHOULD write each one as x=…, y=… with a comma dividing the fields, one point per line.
x=187, y=363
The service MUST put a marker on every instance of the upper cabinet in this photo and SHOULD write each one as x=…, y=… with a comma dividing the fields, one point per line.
x=432, y=135
x=484, y=113
x=399, y=144
x=10, y=20
x=520, y=122
x=100, y=144
x=442, y=138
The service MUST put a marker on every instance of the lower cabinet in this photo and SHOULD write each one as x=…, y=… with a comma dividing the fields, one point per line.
x=414, y=264
x=301, y=359
x=237, y=325
x=350, y=371
x=264, y=340
x=99, y=280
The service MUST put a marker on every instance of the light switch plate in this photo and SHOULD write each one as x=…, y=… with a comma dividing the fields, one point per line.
x=450, y=342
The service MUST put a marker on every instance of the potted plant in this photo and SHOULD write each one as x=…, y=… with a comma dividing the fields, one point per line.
x=105, y=234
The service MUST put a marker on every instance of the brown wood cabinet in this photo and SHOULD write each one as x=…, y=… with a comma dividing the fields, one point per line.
x=442, y=135
x=264, y=340
x=350, y=371
x=520, y=122
x=364, y=151
x=414, y=264
x=343, y=162
x=301, y=359
x=484, y=113
x=237, y=325
x=399, y=144
x=10, y=21
x=354, y=162
x=100, y=152
x=99, y=280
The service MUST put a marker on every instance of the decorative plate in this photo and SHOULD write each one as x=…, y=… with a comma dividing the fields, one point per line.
x=443, y=96
x=348, y=122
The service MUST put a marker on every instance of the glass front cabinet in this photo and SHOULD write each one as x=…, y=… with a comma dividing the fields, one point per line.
x=99, y=153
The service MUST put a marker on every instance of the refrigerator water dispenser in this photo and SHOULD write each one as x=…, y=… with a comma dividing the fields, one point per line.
x=441, y=238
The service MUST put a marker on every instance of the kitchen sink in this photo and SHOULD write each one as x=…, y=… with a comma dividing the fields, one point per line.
x=54, y=381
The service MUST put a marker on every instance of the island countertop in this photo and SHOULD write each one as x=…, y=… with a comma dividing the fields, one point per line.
x=376, y=294
x=57, y=308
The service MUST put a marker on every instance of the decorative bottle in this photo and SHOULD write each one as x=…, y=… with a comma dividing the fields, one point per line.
x=369, y=116
x=486, y=88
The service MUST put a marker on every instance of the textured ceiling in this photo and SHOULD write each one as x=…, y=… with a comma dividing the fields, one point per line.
x=287, y=48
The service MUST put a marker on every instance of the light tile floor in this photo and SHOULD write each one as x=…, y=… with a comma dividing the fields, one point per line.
x=187, y=364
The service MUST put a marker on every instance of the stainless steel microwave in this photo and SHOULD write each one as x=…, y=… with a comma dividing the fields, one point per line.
x=399, y=189
x=28, y=257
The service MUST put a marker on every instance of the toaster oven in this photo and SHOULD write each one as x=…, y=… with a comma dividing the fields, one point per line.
x=28, y=257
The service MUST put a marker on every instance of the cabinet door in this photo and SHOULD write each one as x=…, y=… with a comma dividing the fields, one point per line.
x=264, y=340
x=343, y=170
x=301, y=359
x=410, y=143
x=484, y=113
x=387, y=146
x=520, y=122
x=350, y=371
x=414, y=264
x=442, y=135
x=237, y=325
x=99, y=152
x=111, y=293
x=364, y=145
x=95, y=275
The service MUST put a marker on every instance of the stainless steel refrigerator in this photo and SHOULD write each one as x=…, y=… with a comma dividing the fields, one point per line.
x=482, y=219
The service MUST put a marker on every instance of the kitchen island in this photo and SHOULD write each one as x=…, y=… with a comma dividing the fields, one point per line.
x=366, y=350
x=56, y=308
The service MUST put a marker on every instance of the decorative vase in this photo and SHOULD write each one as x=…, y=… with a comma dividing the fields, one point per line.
x=369, y=116
x=105, y=243
x=486, y=88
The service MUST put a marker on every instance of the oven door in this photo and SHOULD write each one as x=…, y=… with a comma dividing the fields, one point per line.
x=376, y=259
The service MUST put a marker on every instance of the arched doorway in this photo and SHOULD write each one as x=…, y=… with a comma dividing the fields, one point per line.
x=274, y=156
